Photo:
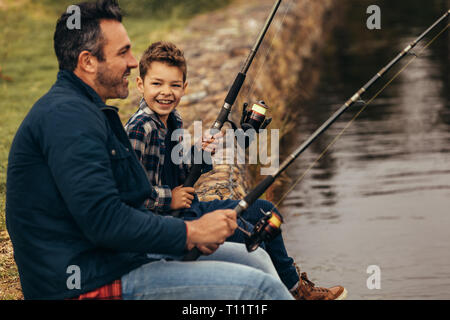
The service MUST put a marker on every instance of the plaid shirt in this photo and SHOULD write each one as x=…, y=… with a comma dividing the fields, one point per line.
x=111, y=291
x=147, y=134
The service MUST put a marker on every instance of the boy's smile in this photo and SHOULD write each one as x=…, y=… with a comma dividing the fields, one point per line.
x=162, y=88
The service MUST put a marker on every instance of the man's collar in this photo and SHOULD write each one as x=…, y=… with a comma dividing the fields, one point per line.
x=66, y=75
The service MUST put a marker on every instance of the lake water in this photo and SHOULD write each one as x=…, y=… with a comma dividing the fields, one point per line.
x=381, y=195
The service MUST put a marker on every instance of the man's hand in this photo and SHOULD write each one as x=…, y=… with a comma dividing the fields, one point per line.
x=211, y=230
x=182, y=197
x=208, y=249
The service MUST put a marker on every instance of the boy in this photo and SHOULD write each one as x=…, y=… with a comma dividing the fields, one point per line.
x=162, y=82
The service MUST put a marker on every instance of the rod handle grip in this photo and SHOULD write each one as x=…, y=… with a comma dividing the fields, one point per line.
x=194, y=174
x=259, y=190
x=235, y=88
x=192, y=255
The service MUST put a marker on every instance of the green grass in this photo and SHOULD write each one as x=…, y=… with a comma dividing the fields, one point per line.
x=26, y=53
x=26, y=56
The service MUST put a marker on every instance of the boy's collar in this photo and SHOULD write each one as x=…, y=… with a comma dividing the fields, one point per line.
x=154, y=116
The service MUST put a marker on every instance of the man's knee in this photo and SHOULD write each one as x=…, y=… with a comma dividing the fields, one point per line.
x=261, y=255
x=265, y=286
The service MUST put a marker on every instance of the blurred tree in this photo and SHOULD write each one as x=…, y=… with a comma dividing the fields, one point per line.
x=4, y=77
x=161, y=8
x=151, y=8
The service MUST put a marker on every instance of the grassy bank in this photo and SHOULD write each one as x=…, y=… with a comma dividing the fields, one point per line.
x=29, y=67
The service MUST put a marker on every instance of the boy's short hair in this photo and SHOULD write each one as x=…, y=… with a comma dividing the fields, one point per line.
x=163, y=51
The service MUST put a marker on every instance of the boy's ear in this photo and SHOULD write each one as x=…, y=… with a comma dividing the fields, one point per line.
x=140, y=84
x=185, y=85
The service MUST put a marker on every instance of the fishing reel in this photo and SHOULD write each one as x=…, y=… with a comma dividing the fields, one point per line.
x=256, y=117
x=264, y=231
x=252, y=121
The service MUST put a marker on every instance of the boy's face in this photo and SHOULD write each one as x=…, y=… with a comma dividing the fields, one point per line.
x=162, y=88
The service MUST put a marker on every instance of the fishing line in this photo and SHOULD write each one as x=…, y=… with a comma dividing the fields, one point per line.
x=267, y=51
x=268, y=227
x=356, y=116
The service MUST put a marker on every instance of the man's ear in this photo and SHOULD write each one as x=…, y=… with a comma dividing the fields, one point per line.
x=87, y=62
x=140, y=84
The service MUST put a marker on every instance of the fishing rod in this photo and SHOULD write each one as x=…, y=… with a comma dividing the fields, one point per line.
x=258, y=110
x=269, y=226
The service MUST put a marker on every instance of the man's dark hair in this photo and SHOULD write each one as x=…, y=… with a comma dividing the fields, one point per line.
x=70, y=42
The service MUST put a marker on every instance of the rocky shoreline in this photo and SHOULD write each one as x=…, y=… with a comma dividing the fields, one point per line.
x=216, y=45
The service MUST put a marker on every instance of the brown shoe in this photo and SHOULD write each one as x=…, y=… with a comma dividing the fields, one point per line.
x=306, y=290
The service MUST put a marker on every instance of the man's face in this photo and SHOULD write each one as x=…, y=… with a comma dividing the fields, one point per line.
x=162, y=88
x=111, y=78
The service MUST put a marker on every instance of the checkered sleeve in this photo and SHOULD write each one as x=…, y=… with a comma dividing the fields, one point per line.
x=136, y=135
x=143, y=140
x=160, y=199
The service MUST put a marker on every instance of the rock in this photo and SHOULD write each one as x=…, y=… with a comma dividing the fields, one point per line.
x=194, y=97
x=216, y=45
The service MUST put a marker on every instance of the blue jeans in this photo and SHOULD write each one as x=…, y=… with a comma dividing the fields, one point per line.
x=275, y=248
x=230, y=273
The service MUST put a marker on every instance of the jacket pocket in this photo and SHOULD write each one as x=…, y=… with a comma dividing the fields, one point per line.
x=120, y=157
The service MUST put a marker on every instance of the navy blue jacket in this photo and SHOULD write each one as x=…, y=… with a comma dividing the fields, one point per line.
x=74, y=196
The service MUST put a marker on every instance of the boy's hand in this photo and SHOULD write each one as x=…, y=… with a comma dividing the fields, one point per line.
x=182, y=197
x=211, y=230
x=210, y=142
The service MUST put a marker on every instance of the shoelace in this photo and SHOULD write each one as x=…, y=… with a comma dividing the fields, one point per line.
x=311, y=284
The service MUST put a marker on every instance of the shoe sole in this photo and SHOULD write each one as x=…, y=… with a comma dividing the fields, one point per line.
x=342, y=296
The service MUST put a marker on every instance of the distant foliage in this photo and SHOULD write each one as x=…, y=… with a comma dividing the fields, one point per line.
x=152, y=8
x=161, y=8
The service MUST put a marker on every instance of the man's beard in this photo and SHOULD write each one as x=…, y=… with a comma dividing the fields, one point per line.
x=112, y=84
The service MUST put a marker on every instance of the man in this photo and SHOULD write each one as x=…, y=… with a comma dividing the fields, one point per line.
x=75, y=191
